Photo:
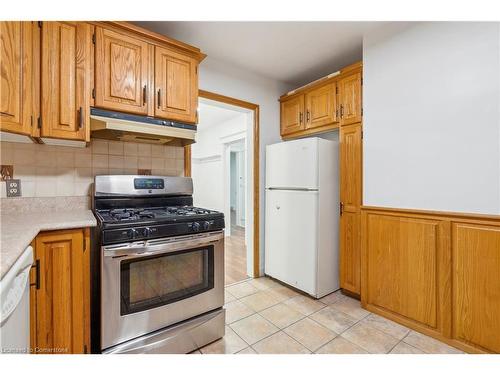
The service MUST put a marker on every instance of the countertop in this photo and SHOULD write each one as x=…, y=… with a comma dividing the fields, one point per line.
x=19, y=229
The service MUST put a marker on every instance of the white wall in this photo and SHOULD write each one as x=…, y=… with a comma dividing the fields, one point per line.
x=432, y=118
x=208, y=162
x=231, y=81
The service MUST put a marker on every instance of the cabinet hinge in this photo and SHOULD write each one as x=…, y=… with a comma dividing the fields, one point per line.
x=362, y=134
x=361, y=81
x=93, y=38
x=341, y=208
x=39, y=122
x=84, y=244
x=93, y=93
x=361, y=111
x=40, y=24
x=31, y=121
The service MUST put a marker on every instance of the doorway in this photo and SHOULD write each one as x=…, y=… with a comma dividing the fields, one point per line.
x=221, y=163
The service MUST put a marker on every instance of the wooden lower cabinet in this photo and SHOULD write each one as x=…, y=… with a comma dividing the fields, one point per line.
x=437, y=273
x=60, y=309
x=350, y=252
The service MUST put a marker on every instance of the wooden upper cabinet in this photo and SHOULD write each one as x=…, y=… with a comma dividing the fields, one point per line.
x=350, y=99
x=17, y=82
x=122, y=69
x=325, y=104
x=292, y=115
x=66, y=80
x=62, y=300
x=176, y=85
x=321, y=104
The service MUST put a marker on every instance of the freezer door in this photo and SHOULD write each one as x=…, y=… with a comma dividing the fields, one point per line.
x=291, y=237
x=292, y=164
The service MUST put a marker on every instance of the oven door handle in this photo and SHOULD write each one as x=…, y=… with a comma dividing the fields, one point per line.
x=131, y=251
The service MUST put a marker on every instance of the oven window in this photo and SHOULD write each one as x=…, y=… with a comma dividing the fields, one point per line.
x=162, y=279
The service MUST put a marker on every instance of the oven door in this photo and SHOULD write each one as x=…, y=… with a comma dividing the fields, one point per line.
x=149, y=285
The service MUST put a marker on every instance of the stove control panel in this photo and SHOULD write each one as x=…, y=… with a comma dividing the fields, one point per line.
x=162, y=230
x=202, y=226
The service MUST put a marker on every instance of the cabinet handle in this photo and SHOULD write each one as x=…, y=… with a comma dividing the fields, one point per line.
x=80, y=117
x=308, y=117
x=341, y=111
x=144, y=98
x=336, y=113
x=301, y=117
x=159, y=96
x=341, y=208
x=36, y=266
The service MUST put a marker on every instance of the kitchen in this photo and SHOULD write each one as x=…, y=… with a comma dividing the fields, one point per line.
x=366, y=230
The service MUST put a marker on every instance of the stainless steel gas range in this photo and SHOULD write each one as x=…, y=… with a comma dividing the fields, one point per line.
x=158, y=262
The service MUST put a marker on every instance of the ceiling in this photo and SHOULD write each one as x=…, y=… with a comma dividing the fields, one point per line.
x=292, y=52
x=210, y=115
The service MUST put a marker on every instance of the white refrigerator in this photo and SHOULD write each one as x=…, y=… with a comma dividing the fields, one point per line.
x=302, y=214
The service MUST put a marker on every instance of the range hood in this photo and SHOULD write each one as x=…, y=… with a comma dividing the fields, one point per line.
x=119, y=126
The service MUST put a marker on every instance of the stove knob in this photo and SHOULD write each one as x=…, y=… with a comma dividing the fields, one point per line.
x=206, y=225
x=196, y=227
x=133, y=233
x=147, y=232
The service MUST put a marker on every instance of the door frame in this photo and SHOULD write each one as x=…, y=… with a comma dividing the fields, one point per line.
x=256, y=169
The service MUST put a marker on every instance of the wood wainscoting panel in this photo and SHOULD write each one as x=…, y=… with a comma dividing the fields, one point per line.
x=476, y=285
x=435, y=272
x=405, y=260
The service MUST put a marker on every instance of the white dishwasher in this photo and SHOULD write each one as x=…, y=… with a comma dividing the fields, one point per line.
x=15, y=306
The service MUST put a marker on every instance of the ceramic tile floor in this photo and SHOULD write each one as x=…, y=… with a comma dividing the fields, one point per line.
x=265, y=317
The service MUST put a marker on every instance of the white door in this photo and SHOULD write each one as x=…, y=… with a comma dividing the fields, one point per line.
x=291, y=237
x=292, y=164
x=241, y=186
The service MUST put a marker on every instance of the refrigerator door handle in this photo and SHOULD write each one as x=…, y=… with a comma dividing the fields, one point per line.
x=292, y=188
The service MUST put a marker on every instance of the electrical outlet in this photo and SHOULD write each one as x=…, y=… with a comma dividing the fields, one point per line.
x=6, y=172
x=13, y=188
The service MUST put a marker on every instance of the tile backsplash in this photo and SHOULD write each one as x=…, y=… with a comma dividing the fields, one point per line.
x=59, y=171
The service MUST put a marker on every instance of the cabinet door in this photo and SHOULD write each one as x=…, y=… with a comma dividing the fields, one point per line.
x=292, y=115
x=350, y=252
x=476, y=285
x=66, y=69
x=122, y=70
x=350, y=99
x=320, y=106
x=16, y=69
x=350, y=167
x=62, y=300
x=350, y=198
x=176, y=86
